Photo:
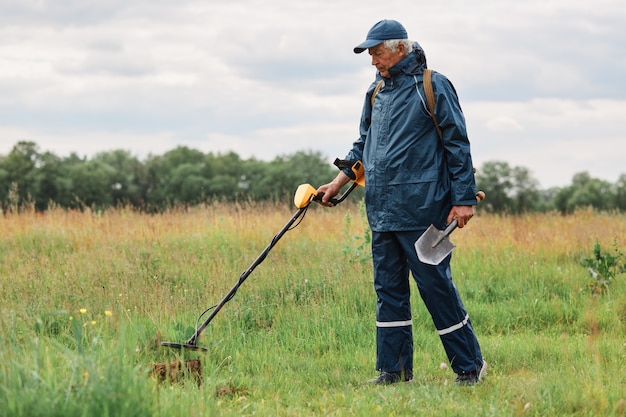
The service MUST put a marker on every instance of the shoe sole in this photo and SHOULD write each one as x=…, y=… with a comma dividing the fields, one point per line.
x=483, y=371
x=377, y=381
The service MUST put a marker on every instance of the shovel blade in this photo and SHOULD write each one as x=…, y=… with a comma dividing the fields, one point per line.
x=431, y=248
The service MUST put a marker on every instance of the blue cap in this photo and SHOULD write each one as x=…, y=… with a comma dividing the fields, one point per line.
x=380, y=32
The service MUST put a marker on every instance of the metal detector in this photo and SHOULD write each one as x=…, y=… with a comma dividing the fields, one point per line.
x=305, y=194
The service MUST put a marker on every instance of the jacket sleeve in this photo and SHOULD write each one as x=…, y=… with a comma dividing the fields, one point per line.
x=456, y=142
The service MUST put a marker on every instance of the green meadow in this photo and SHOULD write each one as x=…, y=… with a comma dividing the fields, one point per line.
x=87, y=298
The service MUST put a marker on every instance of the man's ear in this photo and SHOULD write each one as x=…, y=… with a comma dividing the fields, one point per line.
x=402, y=49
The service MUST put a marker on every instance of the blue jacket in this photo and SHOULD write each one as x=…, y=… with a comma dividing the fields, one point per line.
x=412, y=180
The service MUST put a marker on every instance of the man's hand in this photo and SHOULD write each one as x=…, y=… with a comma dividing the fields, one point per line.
x=462, y=214
x=332, y=188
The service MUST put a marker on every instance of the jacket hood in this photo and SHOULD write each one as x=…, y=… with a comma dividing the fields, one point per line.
x=420, y=56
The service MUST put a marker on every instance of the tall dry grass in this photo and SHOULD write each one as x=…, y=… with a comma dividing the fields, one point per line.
x=88, y=296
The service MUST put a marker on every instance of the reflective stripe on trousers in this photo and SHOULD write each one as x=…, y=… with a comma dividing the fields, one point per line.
x=394, y=323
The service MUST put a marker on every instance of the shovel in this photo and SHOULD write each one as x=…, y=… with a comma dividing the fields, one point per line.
x=434, y=244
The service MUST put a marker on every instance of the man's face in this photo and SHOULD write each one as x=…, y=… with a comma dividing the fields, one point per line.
x=383, y=58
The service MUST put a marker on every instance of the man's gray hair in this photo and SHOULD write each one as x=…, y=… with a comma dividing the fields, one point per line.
x=392, y=45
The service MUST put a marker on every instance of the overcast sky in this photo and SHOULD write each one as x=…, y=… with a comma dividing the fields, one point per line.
x=542, y=83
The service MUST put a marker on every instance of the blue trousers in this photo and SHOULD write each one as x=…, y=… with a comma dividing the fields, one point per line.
x=394, y=256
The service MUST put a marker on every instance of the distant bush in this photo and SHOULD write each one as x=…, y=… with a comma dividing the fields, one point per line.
x=603, y=267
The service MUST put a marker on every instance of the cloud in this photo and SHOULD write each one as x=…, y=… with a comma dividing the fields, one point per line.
x=503, y=124
x=266, y=78
x=554, y=138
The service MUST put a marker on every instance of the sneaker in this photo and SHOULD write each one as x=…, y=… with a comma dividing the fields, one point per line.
x=471, y=378
x=388, y=378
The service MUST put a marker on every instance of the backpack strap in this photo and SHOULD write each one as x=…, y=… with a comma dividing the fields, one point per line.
x=430, y=99
x=376, y=89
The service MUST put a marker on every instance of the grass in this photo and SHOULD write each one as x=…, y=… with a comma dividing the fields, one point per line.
x=88, y=297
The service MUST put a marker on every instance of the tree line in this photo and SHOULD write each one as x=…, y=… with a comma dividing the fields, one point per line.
x=184, y=176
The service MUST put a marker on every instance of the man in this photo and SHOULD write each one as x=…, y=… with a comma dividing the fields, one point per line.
x=413, y=179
